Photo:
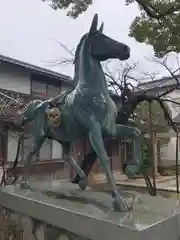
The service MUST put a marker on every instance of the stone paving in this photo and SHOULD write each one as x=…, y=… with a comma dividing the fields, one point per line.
x=162, y=182
x=165, y=183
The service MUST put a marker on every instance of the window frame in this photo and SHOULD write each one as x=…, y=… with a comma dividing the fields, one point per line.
x=36, y=93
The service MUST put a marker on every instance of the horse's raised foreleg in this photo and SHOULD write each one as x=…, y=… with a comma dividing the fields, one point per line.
x=28, y=158
x=96, y=140
x=121, y=132
x=133, y=133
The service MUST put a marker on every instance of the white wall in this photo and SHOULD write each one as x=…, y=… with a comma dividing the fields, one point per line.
x=168, y=152
x=175, y=95
x=14, y=78
x=56, y=150
x=45, y=151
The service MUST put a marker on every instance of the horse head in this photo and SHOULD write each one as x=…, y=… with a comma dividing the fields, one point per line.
x=93, y=48
x=103, y=47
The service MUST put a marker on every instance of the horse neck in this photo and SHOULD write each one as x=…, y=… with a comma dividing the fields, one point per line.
x=89, y=74
x=31, y=109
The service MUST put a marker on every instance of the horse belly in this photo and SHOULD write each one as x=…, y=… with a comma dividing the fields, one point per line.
x=67, y=133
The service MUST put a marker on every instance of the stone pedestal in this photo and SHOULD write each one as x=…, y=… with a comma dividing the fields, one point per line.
x=65, y=212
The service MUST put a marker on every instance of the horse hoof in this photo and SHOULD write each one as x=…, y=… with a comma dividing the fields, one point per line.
x=120, y=205
x=82, y=184
x=76, y=179
x=24, y=185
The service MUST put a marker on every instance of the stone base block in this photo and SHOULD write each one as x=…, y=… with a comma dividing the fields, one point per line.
x=73, y=214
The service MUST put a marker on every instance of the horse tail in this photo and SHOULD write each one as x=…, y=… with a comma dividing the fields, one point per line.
x=29, y=112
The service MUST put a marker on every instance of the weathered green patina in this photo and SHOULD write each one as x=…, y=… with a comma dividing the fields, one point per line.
x=127, y=105
x=87, y=110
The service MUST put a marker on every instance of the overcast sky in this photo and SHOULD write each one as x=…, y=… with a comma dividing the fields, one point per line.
x=30, y=28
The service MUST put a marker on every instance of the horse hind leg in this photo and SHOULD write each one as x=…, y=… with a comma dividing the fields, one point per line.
x=86, y=165
x=27, y=161
x=82, y=181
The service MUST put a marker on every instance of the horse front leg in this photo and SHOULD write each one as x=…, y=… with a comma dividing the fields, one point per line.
x=27, y=161
x=96, y=140
x=123, y=131
x=137, y=164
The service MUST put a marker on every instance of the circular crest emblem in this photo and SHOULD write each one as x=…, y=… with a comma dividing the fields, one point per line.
x=54, y=116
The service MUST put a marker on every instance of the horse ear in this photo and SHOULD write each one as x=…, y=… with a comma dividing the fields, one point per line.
x=94, y=23
x=101, y=27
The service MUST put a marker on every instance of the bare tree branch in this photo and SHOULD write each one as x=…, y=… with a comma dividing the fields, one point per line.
x=171, y=101
x=70, y=51
x=62, y=60
x=120, y=76
x=173, y=73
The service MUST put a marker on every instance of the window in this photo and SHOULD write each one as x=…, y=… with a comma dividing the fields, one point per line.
x=53, y=91
x=65, y=88
x=57, y=151
x=38, y=88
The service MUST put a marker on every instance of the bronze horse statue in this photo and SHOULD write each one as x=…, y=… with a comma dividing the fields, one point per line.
x=129, y=100
x=86, y=111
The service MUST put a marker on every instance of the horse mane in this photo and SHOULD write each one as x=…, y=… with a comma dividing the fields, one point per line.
x=78, y=48
x=29, y=110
